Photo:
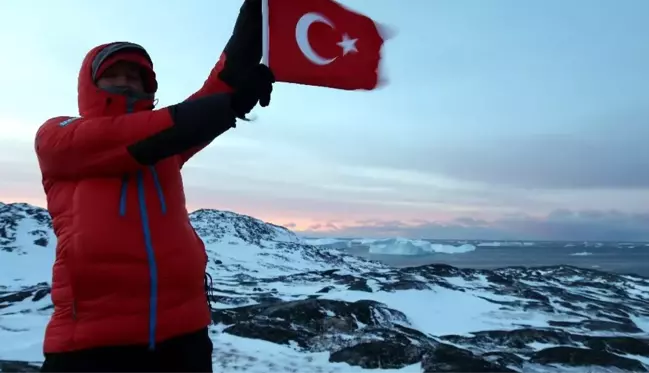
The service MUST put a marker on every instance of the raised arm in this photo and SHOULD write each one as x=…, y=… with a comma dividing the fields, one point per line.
x=108, y=146
x=241, y=54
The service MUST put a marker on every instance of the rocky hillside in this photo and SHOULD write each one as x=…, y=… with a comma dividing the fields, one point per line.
x=283, y=305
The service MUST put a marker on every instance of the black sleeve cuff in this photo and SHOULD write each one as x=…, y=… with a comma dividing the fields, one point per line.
x=196, y=122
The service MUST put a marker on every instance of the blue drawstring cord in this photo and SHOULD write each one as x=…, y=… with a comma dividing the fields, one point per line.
x=209, y=291
x=158, y=188
x=122, y=196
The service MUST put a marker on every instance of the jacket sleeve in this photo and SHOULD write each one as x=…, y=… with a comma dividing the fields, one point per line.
x=94, y=147
x=241, y=53
x=212, y=85
x=110, y=146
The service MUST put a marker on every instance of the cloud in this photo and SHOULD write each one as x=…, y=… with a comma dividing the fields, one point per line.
x=587, y=225
x=608, y=152
x=606, y=149
x=601, y=158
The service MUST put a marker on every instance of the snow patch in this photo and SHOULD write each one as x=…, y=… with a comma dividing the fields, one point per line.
x=582, y=253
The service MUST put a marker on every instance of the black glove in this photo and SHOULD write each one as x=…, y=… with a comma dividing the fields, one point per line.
x=243, y=50
x=255, y=87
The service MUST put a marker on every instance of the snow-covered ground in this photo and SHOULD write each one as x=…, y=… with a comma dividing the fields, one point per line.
x=349, y=314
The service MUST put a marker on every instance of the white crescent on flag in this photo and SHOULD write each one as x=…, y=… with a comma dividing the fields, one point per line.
x=302, y=37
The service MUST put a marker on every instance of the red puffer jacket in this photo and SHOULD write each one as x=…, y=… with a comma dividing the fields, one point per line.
x=129, y=266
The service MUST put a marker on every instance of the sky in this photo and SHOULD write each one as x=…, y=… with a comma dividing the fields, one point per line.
x=501, y=119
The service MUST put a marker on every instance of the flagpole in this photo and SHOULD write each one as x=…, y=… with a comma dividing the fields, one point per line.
x=264, y=32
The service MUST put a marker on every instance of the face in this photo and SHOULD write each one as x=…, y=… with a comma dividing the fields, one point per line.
x=122, y=74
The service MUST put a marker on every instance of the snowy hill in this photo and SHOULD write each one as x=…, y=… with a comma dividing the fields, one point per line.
x=284, y=305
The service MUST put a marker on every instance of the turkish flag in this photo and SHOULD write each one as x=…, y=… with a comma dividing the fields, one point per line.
x=322, y=43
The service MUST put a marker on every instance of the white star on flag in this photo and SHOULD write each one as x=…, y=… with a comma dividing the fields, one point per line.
x=347, y=44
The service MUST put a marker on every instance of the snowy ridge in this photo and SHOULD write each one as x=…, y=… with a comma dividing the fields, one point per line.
x=284, y=305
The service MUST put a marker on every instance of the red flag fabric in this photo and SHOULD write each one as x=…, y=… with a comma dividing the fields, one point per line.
x=322, y=43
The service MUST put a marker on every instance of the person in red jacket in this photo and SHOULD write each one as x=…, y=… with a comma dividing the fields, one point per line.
x=128, y=279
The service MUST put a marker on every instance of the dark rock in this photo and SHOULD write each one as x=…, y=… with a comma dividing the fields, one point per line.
x=348, y=329
x=389, y=354
x=41, y=242
x=519, y=341
x=41, y=293
x=36, y=293
x=513, y=339
x=311, y=313
x=533, y=294
x=496, y=278
x=599, y=325
x=405, y=285
x=360, y=285
x=619, y=345
x=447, y=358
x=506, y=359
x=574, y=356
x=602, y=325
x=12, y=366
x=277, y=331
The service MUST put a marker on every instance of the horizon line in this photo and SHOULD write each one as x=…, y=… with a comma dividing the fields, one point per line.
x=310, y=235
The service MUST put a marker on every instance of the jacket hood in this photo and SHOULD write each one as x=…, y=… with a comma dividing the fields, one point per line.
x=94, y=101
